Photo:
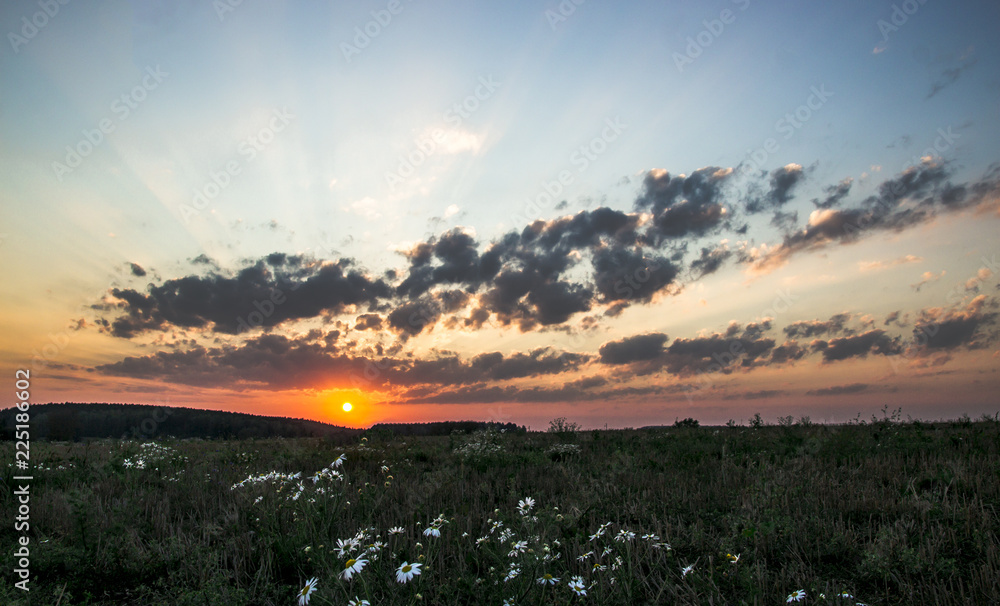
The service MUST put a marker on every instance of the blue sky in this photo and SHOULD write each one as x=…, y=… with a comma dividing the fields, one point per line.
x=296, y=129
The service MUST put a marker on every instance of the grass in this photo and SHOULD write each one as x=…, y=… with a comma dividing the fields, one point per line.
x=889, y=512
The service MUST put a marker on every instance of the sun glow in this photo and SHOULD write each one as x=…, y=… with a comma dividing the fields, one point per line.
x=347, y=407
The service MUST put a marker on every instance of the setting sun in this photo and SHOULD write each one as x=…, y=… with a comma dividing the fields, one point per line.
x=347, y=407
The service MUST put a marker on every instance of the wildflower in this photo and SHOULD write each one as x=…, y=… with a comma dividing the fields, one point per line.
x=525, y=505
x=585, y=556
x=576, y=584
x=686, y=570
x=650, y=537
x=432, y=531
x=307, y=591
x=624, y=535
x=512, y=573
x=547, y=579
x=733, y=558
x=845, y=595
x=599, y=567
x=396, y=530
x=352, y=567
x=796, y=596
x=516, y=548
x=345, y=547
x=358, y=602
x=339, y=461
x=407, y=571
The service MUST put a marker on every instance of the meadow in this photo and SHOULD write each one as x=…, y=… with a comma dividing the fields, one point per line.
x=872, y=512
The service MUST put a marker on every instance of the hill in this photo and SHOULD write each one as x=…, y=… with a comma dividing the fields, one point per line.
x=75, y=421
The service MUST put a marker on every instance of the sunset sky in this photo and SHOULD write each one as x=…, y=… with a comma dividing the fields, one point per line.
x=619, y=213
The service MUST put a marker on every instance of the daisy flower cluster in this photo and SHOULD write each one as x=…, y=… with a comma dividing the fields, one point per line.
x=151, y=454
x=481, y=443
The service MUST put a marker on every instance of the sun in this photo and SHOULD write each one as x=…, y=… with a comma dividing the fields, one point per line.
x=347, y=407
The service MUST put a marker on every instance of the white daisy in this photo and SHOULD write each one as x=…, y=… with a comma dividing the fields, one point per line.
x=307, y=591
x=352, y=567
x=407, y=571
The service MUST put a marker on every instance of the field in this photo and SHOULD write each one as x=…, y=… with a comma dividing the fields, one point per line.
x=883, y=511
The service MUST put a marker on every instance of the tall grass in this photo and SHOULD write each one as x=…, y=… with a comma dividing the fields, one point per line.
x=891, y=513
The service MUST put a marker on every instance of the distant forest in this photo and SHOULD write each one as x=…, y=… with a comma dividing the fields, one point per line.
x=443, y=428
x=74, y=421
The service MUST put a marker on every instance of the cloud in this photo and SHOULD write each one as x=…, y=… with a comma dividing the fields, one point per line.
x=875, y=342
x=839, y=390
x=837, y=324
x=756, y=395
x=926, y=278
x=266, y=293
x=879, y=265
x=276, y=362
x=633, y=349
x=137, y=270
x=781, y=183
x=950, y=75
x=970, y=327
x=710, y=260
x=684, y=206
x=913, y=197
x=368, y=322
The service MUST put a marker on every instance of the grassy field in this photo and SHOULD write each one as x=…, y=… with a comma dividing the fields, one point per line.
x=887, y=512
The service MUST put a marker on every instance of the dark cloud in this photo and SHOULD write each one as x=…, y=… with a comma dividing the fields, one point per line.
x=255, y=296
x=276, y=362
x=837, y=324
x=938, y=329
x=834, y=194
x=368, y=322
x=789, y=351
x=912, y=197
x=839, y=390
x=626, y=273
x=756, y=395
x=493, y=366
x=633, y=349
x=710, y=261
x=858, y=346
x=950, y=75
x=137, y=270
x=684, y=206
x=269, y=362
x=781, y=182
x=785, y=220
x=717, y=352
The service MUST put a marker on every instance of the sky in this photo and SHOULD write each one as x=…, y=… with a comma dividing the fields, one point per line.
x=619, y=213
